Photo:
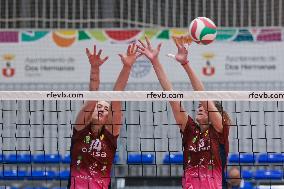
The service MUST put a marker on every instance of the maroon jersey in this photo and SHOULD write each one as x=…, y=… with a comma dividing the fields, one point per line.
x=205, y=155
x=91, y=158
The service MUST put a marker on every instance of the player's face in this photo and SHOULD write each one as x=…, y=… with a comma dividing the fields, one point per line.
x=202, y=116
x=101, y=111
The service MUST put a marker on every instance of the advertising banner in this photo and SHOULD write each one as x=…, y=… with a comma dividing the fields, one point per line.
x=59, y=56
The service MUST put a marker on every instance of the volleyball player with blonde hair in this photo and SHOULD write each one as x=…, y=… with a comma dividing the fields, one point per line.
x=97, y=127
x=205, y=139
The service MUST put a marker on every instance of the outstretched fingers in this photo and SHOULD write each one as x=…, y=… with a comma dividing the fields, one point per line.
x=140, y=51
x=129, y=50
x=88, y=53
x=148, y=42
x=143, y=44
x=95, y=49
x=104, y=60
x=100, y=52
x=133, y=46
x=159, y=47
x=139, y=48
x=120, y=55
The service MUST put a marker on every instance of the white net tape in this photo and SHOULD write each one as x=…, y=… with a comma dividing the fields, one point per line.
x=145, y=95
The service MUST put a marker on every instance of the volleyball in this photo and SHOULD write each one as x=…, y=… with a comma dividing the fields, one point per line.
x=202, y=30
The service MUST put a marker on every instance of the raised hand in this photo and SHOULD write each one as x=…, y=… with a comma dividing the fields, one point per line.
x=182, y=54
x=95, y=59
x=148, y=50
x=131, y=55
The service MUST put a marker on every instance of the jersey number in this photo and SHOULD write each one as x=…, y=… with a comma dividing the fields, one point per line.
x=96, y=144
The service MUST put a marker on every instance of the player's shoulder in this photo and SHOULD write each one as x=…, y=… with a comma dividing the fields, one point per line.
x=190, y=120
x=81, y=132
x=190, y=124
x=189, y=127
x=108, y=136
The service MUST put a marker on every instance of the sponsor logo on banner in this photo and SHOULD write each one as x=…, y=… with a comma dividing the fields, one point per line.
x=141, y=68
x=8, y=70
x=44, y=66
x=239, y=65
x=208, y=69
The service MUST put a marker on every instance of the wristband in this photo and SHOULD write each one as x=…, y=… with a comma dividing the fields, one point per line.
x=94, y=79
x=184, y=63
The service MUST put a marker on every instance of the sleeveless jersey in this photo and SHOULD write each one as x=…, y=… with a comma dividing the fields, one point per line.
x=205, y=155
x=91, y=159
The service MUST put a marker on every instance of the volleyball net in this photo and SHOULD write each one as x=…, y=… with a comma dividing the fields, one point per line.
x=149, y=150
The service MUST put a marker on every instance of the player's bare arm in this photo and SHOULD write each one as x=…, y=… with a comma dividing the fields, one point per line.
x=152, y=54
x=85, y=114
x=115, y=116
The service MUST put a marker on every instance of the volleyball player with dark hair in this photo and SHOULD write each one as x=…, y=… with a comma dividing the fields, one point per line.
x=205, y=140
x=97, y=127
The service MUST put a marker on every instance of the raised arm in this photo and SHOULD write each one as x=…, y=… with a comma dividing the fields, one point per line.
x=128, y=60
x=182, y=57
x=152, y=54
x=84, y=115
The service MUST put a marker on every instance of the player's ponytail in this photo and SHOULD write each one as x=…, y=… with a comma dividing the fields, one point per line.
x=225, y=116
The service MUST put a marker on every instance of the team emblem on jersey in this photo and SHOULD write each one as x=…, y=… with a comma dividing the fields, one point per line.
x=87, y=139
x=102, y=137
x=206, y=133
x=194, y=139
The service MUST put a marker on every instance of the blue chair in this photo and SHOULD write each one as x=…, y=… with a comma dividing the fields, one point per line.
x=24, y=158
x=116, y=159
x=234, y=158
x=11, y=158
x=47, y=158
x=147, y=158
x=10, y=175
x=242, y=158
x=15, y=175
x=268, y=175
x=1, y=175
x=66, y=159
x=247, y=158
x=17, y=158
x=247, y=185
x=52, y=158
x=134, y=159
x=271, y=158
x=173, y=159
x=37, y=175
x=24, y=174
x=43, y=175
x=140, y=159
x=38, y=158
x=246, y=174
x=64, y=175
